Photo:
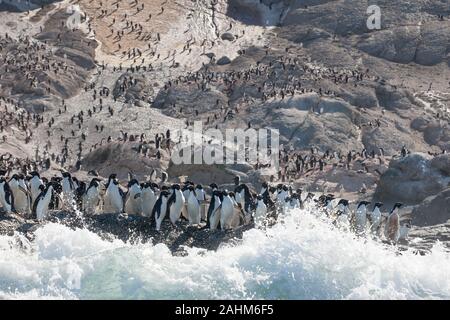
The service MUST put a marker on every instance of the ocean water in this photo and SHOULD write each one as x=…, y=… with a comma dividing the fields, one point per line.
x=302, y=257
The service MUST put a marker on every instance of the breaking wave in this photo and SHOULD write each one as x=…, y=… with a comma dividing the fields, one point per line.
x=302, y=257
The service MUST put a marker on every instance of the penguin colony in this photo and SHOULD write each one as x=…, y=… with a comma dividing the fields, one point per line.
x=34, y=196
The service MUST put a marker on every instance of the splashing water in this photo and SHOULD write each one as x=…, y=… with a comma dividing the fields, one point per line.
x=302, y=257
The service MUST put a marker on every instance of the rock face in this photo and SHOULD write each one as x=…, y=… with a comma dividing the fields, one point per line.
x=433, y=210
x=413, y=178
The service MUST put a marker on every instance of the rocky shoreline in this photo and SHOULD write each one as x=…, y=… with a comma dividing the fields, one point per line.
x=138, y=229
x=130, y=228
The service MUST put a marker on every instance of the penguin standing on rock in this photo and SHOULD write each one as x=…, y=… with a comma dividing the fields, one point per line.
x=361, y=218
x=133, y=203
x=6, y=196
x=342, y=215
x=201, y=197
x=42, y=203
x=175, y=204
x=261, y=210
x=91, y=198
x=113, y=200
x=35, y=182
x=149, y=197
x=68, y=189
x=160, y=208
x=20, y=193
x=375, y=218
x=193, y=207
x=213, y=218
x=392, y=231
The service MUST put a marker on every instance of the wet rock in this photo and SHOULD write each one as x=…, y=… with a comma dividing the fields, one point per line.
x=129, y=228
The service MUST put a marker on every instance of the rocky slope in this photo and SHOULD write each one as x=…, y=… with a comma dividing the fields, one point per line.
x=309, y=68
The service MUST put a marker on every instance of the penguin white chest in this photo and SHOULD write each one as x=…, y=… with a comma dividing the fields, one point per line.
x=193, y=208
x=148, y=202
x=227, y=213
x=176, y=207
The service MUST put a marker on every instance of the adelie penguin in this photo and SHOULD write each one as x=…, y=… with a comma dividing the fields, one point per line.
x=175, y=204
x=342, y=215
x=193, y=207
x=160, y=208
x=42, y=203
x=392, y=231
x=361, y=218
x=265, y=193
x=375, y=218
x=22, y=197
x=214, y=210
x=201, y=197
x=6, y=196
x=229, y=211
x=245, y=199
x=149, y=197
x=261, y=210
x=133, y=203
x=91, y=198
x=35, y=182
x=68, y=189
x=113, y=200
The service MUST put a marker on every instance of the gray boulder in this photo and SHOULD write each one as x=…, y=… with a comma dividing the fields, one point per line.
x=433, y=210
x=223, y=61
x=411, y=179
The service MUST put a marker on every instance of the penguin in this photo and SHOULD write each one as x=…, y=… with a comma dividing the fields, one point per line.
x=201, y=197
x=149, y=197
x=214, y=210
x=186, y=193
x=261, y=210
x=213, y=187
x=230, y=214
x=193, y=207
x=392, y=231
x=265, y=193
x=20, y=193
x=328, y=204
x=41, y=205
x=35, y=182
x=56, y=202
x=160, y=208
x=113, y=200
x=404, y=230
x=68, y=188
x=91, y=198
x=79, y=193
x=282, y=194
x=375, y=218
x=6, y=196
x=245, y=199
x=175, y=204
x=361, y=218
x=133, y=203
x=295, y=201
x=342, y=219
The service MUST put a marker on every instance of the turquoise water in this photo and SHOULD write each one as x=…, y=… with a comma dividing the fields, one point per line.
x=301, y=258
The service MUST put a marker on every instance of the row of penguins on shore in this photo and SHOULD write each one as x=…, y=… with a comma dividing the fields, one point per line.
x=225, y=209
